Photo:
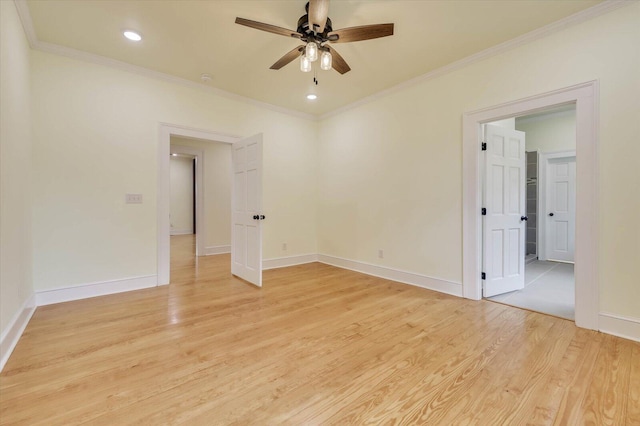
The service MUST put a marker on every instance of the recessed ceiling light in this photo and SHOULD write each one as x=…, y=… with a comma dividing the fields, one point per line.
x=174, y=154
x=312, y=97
x=132, y=35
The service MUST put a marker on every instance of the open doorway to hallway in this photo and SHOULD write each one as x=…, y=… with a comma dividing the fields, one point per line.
x=199, y=201
x=549, y=215
x=183, y=207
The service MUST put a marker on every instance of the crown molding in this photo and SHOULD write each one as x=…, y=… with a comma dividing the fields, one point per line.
x=146, y=72
x=27, y=22
x=577, y=18
x=56, y=49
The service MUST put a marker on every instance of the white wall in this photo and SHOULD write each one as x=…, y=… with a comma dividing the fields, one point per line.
x=15, y=169
x=217, y=189
x=549, y=132
x=95, y=138
x=181, y=199
x=390, y=173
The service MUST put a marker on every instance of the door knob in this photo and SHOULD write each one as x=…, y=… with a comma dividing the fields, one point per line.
x=256, y=217
x=524, y=218
x=550, y=214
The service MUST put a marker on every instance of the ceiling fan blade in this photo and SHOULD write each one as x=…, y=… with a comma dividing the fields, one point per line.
x=318, y=11
x=268, y=28
x=338, y=63
x=365, y=32
x=288, y=57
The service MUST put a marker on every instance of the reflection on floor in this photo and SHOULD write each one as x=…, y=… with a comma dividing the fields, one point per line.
x=183, y=256
x=549, y=288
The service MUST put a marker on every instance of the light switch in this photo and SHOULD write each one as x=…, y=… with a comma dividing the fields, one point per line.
x=133, y=199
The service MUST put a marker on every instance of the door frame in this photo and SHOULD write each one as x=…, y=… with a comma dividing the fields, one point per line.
x=200, y=228
x=585, y=96
x=165, y=131
x=543, y=162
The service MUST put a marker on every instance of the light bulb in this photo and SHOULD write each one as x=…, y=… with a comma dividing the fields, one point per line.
x=325, y=60
x=305, y=64
x=311, y=51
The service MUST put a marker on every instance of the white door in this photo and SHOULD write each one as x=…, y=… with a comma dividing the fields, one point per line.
x=504, y=222
x=246, y=232
x=561, y=209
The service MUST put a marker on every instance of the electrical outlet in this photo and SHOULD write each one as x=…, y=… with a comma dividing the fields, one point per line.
x=133, y=198
x=284, y=246
x=381, y=253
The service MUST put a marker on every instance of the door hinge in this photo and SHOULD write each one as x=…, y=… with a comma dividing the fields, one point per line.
x=484, y=146
x=484, y=276
x=484, y=211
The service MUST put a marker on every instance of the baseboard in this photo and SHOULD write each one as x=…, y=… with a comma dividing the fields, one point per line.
x=208, y=251
x=283, y=262
x=85, y=291
x=13, y=332
x=412, y=278
x=618, y=325
x=181, y=231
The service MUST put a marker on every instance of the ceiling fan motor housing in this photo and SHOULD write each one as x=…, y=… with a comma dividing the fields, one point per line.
x=303, y=28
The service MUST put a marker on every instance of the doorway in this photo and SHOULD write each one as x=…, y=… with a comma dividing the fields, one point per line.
x=249, y=253
x=546, y=206
x=183, y=193
x=186, y=194
x=186, y=205
x=585, y=98
x=166, y=132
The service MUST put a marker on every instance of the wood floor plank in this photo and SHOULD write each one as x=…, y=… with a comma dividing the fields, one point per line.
x=316, y=345
x=610, y=382
x=633, y=405
x=411, y=376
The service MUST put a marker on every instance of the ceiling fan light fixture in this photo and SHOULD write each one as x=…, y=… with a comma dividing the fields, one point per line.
x=325, y=60
x=311, y=51
x=305, y=64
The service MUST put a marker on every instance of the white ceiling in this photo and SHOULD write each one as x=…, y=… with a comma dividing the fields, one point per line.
x=187, y=38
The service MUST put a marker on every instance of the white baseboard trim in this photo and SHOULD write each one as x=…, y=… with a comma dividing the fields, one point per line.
x=208, y=251
x=283, y=262
x=618, y=325
x=181, y=231
x=13, y=332
x=85, y=291
x=405, y=277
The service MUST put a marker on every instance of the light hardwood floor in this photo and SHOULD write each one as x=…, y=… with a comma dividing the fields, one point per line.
x=315, y=345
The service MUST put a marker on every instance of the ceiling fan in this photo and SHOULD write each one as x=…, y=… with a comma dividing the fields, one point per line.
x=316, y=31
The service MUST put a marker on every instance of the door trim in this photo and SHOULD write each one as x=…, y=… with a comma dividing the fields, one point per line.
x=543, y=162
x=585, y=96
x=165, y=131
